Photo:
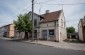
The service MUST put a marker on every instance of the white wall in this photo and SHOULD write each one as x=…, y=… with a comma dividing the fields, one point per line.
x=35, y=17
x=47, y=26
x=62, y=27
x=19, y=35
x=80, y=31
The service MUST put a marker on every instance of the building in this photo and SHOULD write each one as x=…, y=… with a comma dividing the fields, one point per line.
x=81, y=29
x=50, y=26
x=72, y=35
x=7, y=31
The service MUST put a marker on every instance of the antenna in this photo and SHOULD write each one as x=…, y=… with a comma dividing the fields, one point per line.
x=40, y=9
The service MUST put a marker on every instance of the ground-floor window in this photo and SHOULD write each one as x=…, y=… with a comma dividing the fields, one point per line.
x=51, y=32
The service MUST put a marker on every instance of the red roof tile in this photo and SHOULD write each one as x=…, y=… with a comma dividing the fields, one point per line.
x=51, y=16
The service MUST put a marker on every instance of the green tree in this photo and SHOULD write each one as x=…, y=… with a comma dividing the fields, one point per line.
x=23, y=24
x=70, y=29
x=84, y=17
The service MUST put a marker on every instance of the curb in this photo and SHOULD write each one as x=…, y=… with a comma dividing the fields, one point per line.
x=5, y=38
x=9, y=39
x=54, y=46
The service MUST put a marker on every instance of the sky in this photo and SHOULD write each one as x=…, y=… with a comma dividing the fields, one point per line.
x=10, y=9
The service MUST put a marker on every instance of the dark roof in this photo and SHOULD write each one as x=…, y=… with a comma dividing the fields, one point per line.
x=6, y=25
x=34, y=13
x=52, y=16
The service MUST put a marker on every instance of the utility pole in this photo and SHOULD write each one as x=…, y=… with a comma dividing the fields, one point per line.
x=32, y=20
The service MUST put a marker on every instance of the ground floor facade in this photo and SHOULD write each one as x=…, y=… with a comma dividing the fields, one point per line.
x=51, y=33
x=48, y=34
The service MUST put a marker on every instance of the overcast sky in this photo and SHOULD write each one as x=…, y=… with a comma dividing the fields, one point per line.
x=10, y=9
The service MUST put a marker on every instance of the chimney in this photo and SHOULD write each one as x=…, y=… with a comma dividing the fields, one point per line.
x=47, y=11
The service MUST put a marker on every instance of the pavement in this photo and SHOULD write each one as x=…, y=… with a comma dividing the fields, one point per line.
x=63, y=45
x=21, y=48
x=10, y=39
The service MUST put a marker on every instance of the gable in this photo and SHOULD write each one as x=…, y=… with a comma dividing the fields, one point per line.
x=53, y=16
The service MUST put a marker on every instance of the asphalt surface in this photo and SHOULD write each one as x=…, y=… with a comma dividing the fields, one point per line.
x=20, y=48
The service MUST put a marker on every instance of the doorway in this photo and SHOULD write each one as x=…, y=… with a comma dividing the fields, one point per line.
x=35, y=34
x=44, y=34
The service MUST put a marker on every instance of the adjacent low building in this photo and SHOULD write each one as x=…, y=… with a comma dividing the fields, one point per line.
x=72, y=35
x=7, y=31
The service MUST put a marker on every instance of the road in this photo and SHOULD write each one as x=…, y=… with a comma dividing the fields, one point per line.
x=21, y=48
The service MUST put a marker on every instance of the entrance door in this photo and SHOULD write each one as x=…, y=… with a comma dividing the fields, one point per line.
x=35, y=34
x=44, y=34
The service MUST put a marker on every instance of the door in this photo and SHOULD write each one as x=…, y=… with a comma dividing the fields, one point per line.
x=35, y=34
x=44, y=34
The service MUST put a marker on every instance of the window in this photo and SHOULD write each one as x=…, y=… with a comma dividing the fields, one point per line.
x=35, y=22
x=61, y=22
x=51, y=32
x=56, y=23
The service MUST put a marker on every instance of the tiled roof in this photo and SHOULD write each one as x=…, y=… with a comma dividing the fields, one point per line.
x=52, y=16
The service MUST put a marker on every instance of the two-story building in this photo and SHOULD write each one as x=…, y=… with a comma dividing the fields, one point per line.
x=7, y=31
x=50, y=26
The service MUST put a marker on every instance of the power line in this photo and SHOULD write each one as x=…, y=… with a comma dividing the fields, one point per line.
x=15, y=15
x=72, y=20
x=24, y=8
x=18, y=12
x=61, y=4
x=40, y=10
x=45, y=1
x=21, y=11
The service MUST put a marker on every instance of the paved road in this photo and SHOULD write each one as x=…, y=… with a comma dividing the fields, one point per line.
x=19, y=48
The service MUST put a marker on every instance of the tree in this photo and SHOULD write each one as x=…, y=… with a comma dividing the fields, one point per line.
x=23, y=24
x=70, y=29
x=84, y=17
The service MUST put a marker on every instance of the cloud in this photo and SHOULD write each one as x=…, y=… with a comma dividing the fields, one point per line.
x=9, y=9
x=5, y=20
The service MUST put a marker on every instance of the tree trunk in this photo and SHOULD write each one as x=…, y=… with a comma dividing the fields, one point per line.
x=26, y=35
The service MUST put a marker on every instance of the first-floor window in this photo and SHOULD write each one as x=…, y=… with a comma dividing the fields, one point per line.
x=35, y=22
x=51, y=32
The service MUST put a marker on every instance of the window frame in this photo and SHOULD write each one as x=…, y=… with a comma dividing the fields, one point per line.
x=35, y=23
x=50, y=30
